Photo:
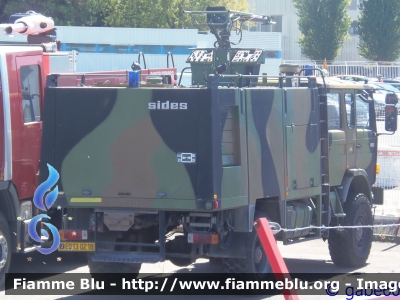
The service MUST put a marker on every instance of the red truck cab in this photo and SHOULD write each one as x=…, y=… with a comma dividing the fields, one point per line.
x=22, y=74
x=24, y=71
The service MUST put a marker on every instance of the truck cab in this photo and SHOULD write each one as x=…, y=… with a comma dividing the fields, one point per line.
x=352, y=130
x=23, y=79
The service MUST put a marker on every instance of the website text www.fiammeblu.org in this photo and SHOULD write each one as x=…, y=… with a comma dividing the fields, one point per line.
x=209, y=284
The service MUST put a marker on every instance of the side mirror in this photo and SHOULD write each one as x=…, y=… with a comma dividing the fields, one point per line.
x=390, y=118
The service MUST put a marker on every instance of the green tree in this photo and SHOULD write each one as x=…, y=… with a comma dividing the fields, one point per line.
x=324, y=26
x=3, y=16
x=379, y=30
x=117, y=13
x=161, y=13
x=64, y=12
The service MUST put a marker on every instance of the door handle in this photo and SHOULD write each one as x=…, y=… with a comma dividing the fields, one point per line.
x=359, y=145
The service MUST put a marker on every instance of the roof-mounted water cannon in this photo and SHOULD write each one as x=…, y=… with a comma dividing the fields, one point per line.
x=220, y=21
x=28, y=24
x=228, y=64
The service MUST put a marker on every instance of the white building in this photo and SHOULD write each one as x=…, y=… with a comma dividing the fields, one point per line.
x=107, y=48
x=286, y=18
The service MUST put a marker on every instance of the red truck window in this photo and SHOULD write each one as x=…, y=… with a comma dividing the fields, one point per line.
x=30, y=85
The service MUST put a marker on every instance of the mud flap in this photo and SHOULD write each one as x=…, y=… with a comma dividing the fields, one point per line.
x=378, y=193
x=237, y=249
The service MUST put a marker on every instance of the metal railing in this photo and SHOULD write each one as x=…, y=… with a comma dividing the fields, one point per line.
x=362, y=68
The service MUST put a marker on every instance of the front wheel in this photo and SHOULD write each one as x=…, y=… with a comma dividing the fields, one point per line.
x=351, y=247
x=5, y=249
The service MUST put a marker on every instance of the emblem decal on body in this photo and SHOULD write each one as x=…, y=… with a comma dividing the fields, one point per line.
x=186, y=158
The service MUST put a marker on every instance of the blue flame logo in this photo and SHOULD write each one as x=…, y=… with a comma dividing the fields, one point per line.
x=45, y=205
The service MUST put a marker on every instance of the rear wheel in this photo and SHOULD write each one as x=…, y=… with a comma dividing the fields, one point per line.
x=176, y=246
x=351, y=247
x=256, y=261
x=5, y=249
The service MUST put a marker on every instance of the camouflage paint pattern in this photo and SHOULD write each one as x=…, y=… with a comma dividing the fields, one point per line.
x=265, y=143
x=126, y=148
x=113, y=151
x=118, y=147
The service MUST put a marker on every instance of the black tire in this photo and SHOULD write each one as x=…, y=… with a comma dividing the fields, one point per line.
x=215, y=261
x=179, y=245
x=5, y=249
x=107, y=267
x=256, y=261
x=351, y=247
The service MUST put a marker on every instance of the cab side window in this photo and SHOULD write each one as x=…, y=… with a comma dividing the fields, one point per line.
x=333, y=111
x=350, y=110
x=30, y=91
x=362, y=112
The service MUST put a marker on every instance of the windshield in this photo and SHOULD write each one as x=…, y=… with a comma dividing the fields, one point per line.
x=387, y=87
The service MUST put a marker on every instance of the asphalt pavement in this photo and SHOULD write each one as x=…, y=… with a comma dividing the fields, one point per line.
x=309, y=257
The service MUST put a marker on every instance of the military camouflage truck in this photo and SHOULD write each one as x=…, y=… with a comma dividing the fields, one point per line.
x=160, y=172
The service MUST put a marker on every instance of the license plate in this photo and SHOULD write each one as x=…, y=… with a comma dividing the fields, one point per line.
x=76, y=246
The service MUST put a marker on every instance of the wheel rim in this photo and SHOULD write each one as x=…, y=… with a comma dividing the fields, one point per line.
x=260, y=260
x=361, y=234
x=3, y=251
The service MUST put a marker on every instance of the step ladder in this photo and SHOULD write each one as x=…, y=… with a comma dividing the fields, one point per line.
x=324, y=136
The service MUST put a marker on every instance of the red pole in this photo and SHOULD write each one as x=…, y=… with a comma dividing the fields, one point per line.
x=275, y=258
